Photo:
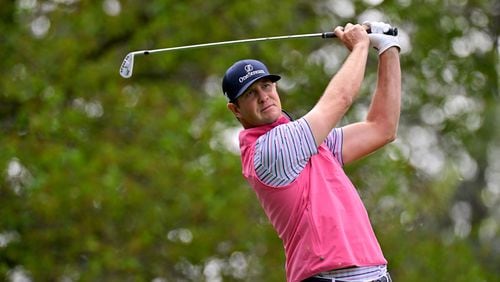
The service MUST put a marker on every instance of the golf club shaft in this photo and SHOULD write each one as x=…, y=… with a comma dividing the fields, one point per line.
x=323, y=35
x=128, y=63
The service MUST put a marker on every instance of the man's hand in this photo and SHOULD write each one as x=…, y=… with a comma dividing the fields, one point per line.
x=380, y=41
x=352, y=35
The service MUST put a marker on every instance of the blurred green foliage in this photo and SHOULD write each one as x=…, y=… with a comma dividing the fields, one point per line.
x=112, y=179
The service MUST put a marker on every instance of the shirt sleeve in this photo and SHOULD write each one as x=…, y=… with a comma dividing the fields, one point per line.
x=282, y=153
x=334, y=142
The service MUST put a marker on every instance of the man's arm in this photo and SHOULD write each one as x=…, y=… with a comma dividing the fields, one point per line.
x=380, y=126
x=344, y=86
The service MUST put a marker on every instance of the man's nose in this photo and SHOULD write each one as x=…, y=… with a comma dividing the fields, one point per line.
x=262, y=95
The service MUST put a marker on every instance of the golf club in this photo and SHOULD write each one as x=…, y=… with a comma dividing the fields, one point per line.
x=128, y=63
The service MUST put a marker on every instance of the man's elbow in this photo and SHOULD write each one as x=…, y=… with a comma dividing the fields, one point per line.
x=386, y=127
x=388, y=133
x=391, y=138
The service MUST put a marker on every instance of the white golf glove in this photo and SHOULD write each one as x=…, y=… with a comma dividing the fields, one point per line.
x=380, y=41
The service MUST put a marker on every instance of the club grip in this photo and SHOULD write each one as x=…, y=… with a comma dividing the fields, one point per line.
x=330, y=34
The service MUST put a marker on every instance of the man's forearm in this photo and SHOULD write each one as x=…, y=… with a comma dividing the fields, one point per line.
x=386, y=102
x=345, y=85
x=339, y=94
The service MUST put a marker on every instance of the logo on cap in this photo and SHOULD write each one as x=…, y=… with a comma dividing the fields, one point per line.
x=250, y=72
x=248, y=68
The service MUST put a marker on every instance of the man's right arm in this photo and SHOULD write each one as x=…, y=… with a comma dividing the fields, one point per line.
x=344, y=86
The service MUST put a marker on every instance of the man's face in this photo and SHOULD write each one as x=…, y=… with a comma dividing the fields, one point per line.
x=259, y=105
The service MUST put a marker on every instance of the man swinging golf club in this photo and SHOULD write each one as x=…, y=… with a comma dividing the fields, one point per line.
x=295, y=167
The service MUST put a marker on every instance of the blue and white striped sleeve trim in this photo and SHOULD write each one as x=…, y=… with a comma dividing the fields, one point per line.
x=334, y=141
x=282, y=153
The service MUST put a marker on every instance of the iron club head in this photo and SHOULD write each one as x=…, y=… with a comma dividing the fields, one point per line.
x=127, y=65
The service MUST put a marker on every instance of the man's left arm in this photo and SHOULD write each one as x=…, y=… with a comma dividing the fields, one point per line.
x=380, y=126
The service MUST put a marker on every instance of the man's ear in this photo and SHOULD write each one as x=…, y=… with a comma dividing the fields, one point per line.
x=234, y=108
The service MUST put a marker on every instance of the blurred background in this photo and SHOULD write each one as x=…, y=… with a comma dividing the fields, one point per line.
x=110, y=179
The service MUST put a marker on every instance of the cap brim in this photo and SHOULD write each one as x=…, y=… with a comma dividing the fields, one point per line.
x=272, y=77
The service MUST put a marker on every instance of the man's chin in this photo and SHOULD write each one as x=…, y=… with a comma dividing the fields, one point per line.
x=273, y=117
x=266, y=118
x=273, y=111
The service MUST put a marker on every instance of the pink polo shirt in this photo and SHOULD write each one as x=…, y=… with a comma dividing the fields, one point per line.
x=319, y=216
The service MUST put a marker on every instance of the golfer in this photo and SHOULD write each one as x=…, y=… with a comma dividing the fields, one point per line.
x=295, y=167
